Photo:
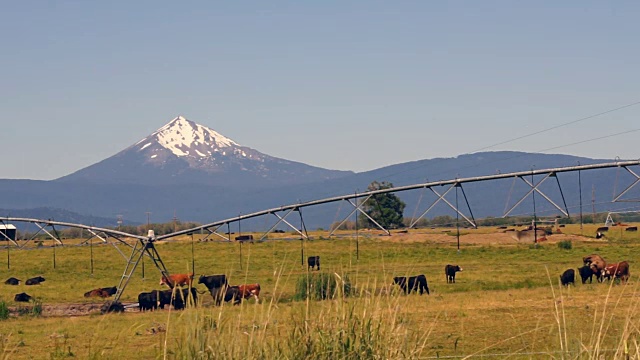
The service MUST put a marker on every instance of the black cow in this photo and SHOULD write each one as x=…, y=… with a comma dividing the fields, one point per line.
x=216, y=285
x=411, y=283
x=34, y=281
x=213, y=281
x=586, y=273
x=313, y=261
x=148, y=300
x=568, y=277
x=12, y=281
x=450, y=272
x=110, y=290
x=180, y=299
x=22, y=297
x=233, y=293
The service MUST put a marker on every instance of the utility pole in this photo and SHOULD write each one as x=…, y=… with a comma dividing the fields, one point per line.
x=175, y=221
x=593, y=202
x=119, y=221
x=148, y=228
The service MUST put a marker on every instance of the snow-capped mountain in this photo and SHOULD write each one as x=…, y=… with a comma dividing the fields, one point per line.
x=184, y=152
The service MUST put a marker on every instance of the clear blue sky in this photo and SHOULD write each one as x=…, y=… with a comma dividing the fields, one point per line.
x=341, y=85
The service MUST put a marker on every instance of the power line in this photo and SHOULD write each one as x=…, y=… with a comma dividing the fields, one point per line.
x=558, y=147
x=558, y=126
x=536, y=133
x=589, y=140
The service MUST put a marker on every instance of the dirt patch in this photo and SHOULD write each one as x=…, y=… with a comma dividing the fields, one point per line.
x=65, y=310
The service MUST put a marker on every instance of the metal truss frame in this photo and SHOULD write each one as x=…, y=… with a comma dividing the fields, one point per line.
x=441, y=197
x=552, y=172
x=143, y=245
x=534, y=187
x=617, y=197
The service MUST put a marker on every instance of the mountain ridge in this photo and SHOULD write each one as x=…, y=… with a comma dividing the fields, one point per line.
x=204, y=176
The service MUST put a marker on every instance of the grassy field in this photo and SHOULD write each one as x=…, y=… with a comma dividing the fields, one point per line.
x=507, y=301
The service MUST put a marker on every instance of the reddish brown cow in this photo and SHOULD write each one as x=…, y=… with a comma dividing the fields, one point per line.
x=97, y=293
x=249, y=290
x=177, y=279
x=619, y=271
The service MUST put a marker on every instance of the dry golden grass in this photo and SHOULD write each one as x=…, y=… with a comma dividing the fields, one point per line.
x=506, y=301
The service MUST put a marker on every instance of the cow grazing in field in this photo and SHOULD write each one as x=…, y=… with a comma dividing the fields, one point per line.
x=568, y=277
x=216, y=285
x=177, y=279
x=411, y=283
x=12, y=281
x=619, y=271
x=22, y=297
x=148, y=300
x=586, y=273
x=237, y=293
x=97, y=293
x=232, y=293
x=631, y=228
x=450, y=271
x=182, y=297
x=602, y=229
x=34, y=281
x=313, y=261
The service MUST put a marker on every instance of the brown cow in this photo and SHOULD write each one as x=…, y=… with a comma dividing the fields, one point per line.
x=248, y=290
x=587, y=260
x=177, y=279
x=97, y=293
x=596, y=263
x=619, y=271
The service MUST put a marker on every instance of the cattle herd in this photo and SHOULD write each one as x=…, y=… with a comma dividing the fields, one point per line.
x=180, y=296
x=24, y=297
x=184, y=292
x=595, y=265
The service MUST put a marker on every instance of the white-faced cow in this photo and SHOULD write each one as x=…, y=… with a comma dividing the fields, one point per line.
x=450, y=271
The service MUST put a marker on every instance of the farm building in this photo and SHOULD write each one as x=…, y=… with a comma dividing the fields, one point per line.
x=7, y=232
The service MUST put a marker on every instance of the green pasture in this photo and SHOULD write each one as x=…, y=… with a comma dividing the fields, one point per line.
x=506, y=301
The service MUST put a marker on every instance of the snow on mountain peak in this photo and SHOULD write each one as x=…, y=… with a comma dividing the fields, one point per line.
x=184, y=137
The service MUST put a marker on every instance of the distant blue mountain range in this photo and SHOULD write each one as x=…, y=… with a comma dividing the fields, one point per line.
x=196, y=174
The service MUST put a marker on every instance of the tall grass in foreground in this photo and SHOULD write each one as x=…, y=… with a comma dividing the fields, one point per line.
x=366, y=327
x=322, y=286
x=377, y=325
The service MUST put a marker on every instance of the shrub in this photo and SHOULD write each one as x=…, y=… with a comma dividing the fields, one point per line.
x=322, y=286
x=566, y=244
x=4, y=311
x=37, y=308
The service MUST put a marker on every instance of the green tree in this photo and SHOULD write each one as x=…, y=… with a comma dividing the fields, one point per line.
x=386, y=209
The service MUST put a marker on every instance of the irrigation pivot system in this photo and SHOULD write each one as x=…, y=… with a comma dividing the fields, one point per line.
x=144, y=245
